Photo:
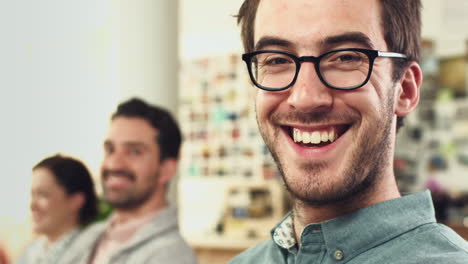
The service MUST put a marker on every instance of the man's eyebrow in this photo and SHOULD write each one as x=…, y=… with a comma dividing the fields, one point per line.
x=127, y=143
x=272, y=41
x=354, y=37
x=134, y=144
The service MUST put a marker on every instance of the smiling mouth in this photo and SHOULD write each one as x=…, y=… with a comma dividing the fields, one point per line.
x=116, y=174
x=314, y=138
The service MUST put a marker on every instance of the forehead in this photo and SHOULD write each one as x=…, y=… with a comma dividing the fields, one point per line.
x=307, y=23
x=131, y=129
x=43, y=177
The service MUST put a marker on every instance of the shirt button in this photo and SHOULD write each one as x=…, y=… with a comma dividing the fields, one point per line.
x=338, y=254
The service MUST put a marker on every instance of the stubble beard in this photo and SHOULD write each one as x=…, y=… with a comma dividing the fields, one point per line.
x=365, y=165
x=131, y=198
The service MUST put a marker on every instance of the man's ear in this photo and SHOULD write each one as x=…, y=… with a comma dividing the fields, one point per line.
x=168, y=170
x=408, y=94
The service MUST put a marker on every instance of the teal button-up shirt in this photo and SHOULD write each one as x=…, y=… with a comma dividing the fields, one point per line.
x=402, y=231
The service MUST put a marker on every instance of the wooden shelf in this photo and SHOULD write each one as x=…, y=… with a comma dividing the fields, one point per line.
x=461, y=230
x=221, y=242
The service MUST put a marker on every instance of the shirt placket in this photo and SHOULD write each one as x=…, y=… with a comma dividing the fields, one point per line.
x=312, y=249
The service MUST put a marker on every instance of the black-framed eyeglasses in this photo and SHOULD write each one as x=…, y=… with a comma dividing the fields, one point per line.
x=341, y=69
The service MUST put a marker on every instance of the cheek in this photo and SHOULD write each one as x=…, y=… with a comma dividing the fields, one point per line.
x=142, y=166
x=48, y=207
x=58, y=211
x=41, y=203
x=381, y=83
x=145, y=170
x=367, y=102
x=267, y=102
x=54, y=205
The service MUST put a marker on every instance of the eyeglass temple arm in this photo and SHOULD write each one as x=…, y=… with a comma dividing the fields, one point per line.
x=392, y=55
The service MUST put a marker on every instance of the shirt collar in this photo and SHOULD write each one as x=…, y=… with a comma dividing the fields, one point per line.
x=148, y=226
x=123, y=231
x=283, y=233
x=366, y=228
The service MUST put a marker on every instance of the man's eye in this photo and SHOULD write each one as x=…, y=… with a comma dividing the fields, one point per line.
x=40, y=194
x=349, y=58
x=108, y=149
x=136, y=152
x=275, y=61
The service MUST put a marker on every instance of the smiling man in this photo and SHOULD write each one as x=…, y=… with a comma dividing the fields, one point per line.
x=335, y=79
x=141, y=153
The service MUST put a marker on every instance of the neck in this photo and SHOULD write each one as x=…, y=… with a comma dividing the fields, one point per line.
x=60, y=232
x=124, y=215
x=305, y=214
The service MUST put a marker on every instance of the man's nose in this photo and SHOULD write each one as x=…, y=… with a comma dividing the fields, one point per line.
x=114, y=161
x=308, y=92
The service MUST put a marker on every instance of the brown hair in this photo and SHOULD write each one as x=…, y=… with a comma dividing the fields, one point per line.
x=169, y=135
x=401, y=23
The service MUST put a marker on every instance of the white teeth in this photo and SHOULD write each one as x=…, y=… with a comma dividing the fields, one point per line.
x=305, y=137
x=324, y=137
x=331, y=136
x=314, y=137
x=297, y=135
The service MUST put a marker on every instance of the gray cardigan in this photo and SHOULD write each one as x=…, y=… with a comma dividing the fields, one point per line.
x=156, y=242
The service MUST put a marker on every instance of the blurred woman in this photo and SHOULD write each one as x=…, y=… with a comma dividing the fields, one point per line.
x=63, y=201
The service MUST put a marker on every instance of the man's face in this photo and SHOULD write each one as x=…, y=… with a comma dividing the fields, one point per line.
x=360, y=122
x=130, y=169
x=52, y=208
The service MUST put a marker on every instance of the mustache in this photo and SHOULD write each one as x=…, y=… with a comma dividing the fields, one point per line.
x=122, y=173
x=314, y=117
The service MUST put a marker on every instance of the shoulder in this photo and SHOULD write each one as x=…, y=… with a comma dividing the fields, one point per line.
x=174, y=252
x=429, y=244
x=264, y=251
x=435, y=238
x=155, y=237
x=170, y=256
x=28, y=252
x=91, y=233
x=83, y=244
x=450, y=243
x=167, y=247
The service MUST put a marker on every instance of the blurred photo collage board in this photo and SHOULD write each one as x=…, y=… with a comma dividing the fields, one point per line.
x=217, y=117
x=435, y=137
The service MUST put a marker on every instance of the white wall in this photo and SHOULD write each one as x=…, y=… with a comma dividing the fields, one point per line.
x=58, y=83
x=208, y=28
x=148, y=37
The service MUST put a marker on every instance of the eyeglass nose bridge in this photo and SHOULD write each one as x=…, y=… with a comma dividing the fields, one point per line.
x=314, y=60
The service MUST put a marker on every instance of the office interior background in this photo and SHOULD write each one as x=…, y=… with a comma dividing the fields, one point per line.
x=65, y=65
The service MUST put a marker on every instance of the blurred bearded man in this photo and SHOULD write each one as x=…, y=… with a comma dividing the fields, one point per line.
x=141, y=153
